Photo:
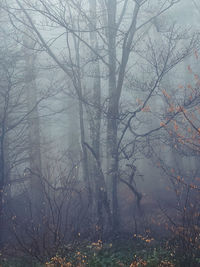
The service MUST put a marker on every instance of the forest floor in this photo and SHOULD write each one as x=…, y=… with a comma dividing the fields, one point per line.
x=121, y=253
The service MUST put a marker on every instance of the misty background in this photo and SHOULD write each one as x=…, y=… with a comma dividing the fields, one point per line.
x=99, y=121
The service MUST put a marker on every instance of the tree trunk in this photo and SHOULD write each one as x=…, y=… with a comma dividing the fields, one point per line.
x=4, y=158
x=33, y=133
x=112, y=117
x=95, y=127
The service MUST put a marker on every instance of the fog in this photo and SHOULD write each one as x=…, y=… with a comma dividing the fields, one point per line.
x=99, y=130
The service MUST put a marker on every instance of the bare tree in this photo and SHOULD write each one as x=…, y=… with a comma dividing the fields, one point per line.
x=118, y=42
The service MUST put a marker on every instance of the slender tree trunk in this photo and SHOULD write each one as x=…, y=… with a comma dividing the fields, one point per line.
x=4, y=161
x=86, y=174
x=73, y=133
x=112, y=117
x=2, y=181
x=33, y=133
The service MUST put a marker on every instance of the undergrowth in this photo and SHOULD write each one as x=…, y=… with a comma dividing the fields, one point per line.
x=121, y=253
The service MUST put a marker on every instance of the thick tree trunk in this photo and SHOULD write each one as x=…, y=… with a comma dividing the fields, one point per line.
x=101, y=196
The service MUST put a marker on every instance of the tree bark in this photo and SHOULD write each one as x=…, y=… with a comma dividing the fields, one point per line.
x=95, y=120
x=33, y=132
x=112, y=117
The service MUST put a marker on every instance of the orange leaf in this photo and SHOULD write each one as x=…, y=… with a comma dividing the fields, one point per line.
x=175, y=126
x=146, y=109
x=166, y=94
